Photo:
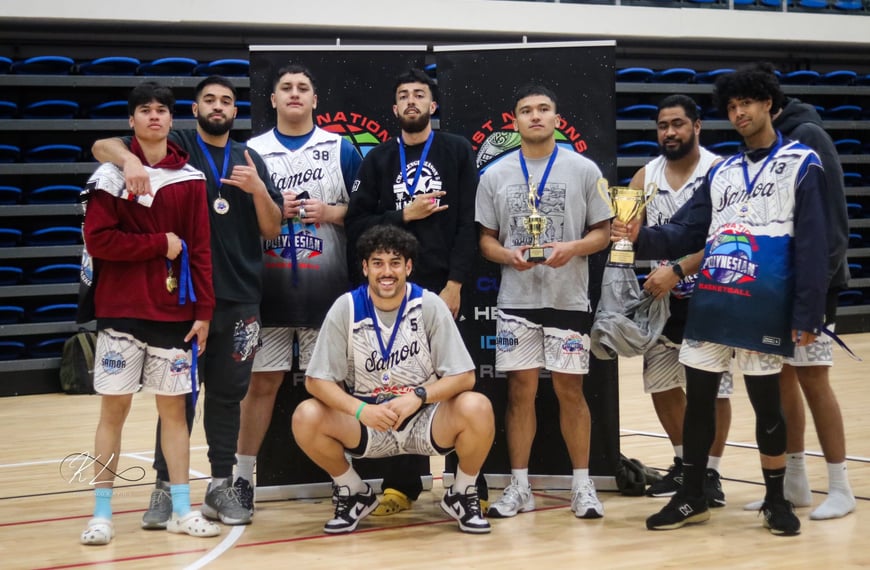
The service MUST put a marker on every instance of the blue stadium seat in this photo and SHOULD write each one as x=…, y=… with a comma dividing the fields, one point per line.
x=849, y=5
x=8, y=109
x=9, y=195
x=44, y=65
x=843, y=113
x=53, y=153
x=856, y=240
x=109, y=110
x=51, y=109
x=56, y=273
x=9, y=153
x=710, y=76
x=225, y=67
x=813, y=4
x=51, y=348
x=725, y=148
x=776, y=4
x=12, y=275
x=853, y=179
x=642, y=111
x=634, y=74
x=850, y=297
x=54, y=312
x=638, y=148
x=168, y=66
x=244, y=109
x=711, y=113
x=5, y=64
x=855, y=210
x=839, y=77
x=674, y=75
x=819, y=109
x=856, y=270
x=56, y=235
x=183, y=109
x=11, y=314
x=55, y=194
x=9, y=237
x=863, y=80
x=113, y=65
x=11, y=349
x=744, y=3
x=847, y=146
x=801, y=77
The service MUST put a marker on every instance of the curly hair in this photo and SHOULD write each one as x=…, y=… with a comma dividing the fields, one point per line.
x=747, y=83
x=389, y=239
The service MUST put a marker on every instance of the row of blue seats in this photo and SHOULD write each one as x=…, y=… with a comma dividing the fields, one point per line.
x=51, y=235
x=644, y=111
x=51, y=194
x=117, y=109
x=42, y=274
x=688, y=75
x=44, y=153
x=54, y=312
x=122, y=65
x=728, y=148
x=813, y=5
x=16, y=349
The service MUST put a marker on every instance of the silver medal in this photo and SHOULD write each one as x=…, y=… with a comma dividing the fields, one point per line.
x=221, y=206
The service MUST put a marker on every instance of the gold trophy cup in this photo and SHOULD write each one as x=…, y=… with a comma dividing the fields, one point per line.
x=626, y=203
x=535, y=225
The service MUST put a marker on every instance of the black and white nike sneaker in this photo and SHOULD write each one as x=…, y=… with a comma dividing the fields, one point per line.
x=465, y=508
x=350, y=509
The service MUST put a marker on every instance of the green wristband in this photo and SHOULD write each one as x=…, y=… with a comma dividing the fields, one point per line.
x=360, y=409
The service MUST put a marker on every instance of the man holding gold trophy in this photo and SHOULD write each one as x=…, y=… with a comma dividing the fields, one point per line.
x=676, y=173
x=541, y=216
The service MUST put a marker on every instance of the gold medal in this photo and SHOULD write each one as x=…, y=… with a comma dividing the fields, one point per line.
x=171, y=282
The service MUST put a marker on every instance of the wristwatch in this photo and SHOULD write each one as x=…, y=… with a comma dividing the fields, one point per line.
x=420, y=392
x=678, y=271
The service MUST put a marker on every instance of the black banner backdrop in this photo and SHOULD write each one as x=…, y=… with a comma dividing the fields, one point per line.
x=477, y=85
x=354, y=99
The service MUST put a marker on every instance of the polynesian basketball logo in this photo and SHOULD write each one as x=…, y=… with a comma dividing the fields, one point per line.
x=729, y=260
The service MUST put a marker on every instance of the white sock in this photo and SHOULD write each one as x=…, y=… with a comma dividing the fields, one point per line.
x=713, y=463
x=216, y=482
x=463, y=481
x=678, y=451
x=522, y=477
x=579, y=477
x=245, y=467
x=351, y=480
x=840, y=501
x=797, y=484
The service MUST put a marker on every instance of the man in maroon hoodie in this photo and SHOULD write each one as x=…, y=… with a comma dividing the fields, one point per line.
x=154, y=300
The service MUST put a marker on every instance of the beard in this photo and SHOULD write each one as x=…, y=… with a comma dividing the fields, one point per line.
x=214, y=128
x=414, y=124
x=679, y=152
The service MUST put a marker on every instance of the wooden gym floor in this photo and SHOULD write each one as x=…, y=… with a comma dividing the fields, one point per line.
x=44, y=504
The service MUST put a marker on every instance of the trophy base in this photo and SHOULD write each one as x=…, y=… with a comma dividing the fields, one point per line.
x=535, y=255
x=624, y=259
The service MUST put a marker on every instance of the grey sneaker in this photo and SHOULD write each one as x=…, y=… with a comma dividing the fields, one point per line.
x=585, y=503
x=515, y=499
x=222, y=502
x=246, y=493
x=159, y=509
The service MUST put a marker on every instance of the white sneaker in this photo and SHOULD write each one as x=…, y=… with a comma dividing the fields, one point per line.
x=515, y=499
x=585, y=503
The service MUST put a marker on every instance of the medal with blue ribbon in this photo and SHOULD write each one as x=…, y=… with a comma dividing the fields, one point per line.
x=388, y=348
x=412, y=187
x=185, y=292
x=220, y=205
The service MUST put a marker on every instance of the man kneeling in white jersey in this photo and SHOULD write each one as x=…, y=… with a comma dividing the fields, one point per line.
x=409, y=379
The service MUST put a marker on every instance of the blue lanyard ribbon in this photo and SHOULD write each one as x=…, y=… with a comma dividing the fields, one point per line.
x=370, y=307
x=543, y=182
x=750, y=184
x=193, y=381
x=211, y=164
x=412, y=187
x=185, y=290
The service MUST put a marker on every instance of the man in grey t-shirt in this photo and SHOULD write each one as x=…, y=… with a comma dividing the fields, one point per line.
x=544, y=312
x=409, y=378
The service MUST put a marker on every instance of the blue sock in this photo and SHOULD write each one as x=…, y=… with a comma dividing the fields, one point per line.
x=103, y=503
x=180, y=499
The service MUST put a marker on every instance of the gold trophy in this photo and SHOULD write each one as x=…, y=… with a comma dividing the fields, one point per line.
x=535, y=224
x=626, y=203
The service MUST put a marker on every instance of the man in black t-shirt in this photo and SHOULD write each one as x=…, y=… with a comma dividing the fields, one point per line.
x=425, y=182
x=243, y=205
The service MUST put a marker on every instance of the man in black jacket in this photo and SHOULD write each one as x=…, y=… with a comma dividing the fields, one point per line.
x=425, y=182
x=807, y=371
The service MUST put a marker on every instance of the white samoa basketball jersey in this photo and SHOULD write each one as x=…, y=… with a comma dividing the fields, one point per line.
x=409, y=363
x=668, y=200
x=743, y=294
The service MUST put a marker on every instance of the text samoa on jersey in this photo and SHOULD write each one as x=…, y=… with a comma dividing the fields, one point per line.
x=295, y=180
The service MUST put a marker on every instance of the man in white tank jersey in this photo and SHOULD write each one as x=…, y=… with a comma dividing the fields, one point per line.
x=676, y=173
